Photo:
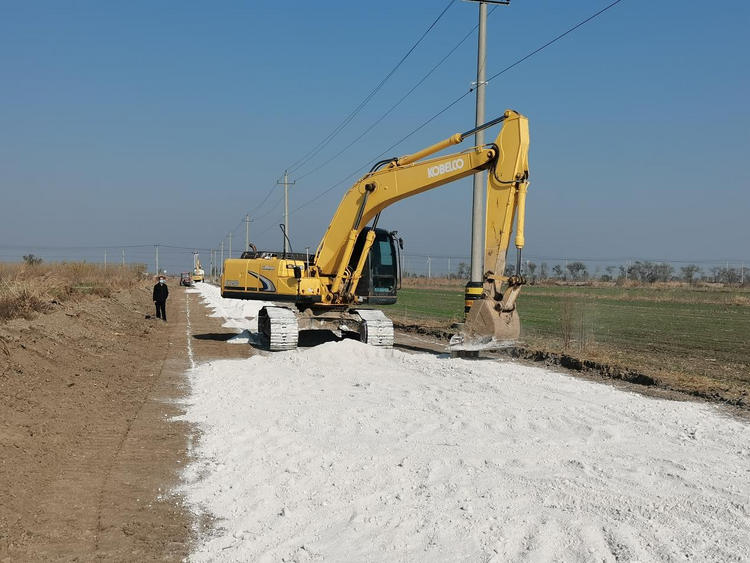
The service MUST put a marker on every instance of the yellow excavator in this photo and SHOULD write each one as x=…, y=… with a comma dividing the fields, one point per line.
x=198, y=272
x=356, y=264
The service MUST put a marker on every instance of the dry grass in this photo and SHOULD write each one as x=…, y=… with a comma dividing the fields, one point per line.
x=25, y=290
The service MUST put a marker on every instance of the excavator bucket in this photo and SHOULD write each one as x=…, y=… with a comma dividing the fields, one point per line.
x=487, y=328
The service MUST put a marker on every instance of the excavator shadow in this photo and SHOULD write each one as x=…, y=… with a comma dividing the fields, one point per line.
x=215, y=336
x=310, y=338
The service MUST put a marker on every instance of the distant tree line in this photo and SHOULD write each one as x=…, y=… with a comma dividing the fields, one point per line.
x=639, y=271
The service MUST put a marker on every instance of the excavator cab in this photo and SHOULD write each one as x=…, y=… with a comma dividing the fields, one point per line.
x=381, y=276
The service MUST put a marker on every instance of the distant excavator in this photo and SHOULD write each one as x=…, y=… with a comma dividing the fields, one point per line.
x=198, y=273
x=357, y=264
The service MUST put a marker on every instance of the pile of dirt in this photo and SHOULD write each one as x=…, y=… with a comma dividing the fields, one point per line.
x=77, y=403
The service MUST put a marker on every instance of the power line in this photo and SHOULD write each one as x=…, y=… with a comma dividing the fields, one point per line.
x=417, y=85
x=382, y=153
x=519, y=61
x=268, y=213
x=27, y=247
x=275, y=205
x=460, y=98
x=302, y=161
x=453, y=103
x=254, y=211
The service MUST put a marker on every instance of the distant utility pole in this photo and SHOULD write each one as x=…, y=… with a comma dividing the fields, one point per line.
x=477, y=210
x=157, y=259
x=429, y=267
x=286, y=185
x=231, y=234
x=105, y=258
x=247, y=231
x=123, y=257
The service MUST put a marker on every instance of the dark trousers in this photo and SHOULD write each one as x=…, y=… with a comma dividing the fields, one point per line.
x=161, y=310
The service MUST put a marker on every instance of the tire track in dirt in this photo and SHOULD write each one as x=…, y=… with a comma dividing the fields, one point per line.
x=118, y=451
x=138, y=518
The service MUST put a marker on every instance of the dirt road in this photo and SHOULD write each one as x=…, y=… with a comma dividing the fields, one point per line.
x=88, y=447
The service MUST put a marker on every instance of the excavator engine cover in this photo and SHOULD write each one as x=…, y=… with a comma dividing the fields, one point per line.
x=487, y=327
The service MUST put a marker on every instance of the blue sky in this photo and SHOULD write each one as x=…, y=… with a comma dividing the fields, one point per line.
x=146, y=123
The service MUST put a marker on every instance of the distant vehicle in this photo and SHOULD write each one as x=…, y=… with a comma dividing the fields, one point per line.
x=186, y=279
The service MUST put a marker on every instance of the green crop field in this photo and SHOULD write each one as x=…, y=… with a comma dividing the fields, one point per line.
x=691, y=332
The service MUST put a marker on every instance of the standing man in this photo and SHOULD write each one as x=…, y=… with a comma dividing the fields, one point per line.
x=161, y=292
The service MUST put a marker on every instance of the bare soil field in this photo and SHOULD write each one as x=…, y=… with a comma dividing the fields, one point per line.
x=88, y=448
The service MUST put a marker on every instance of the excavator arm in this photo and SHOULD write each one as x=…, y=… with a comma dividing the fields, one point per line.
x=492, y=321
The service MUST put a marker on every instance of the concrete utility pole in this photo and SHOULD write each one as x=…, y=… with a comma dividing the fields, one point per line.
x=157, y=259
x=231, y=234
x=286, y=185
x=123, y=257
x=105, y=258
x=477, y=209
x=221, y=266
x=477, y=218
x=247, y=231
x=429, y=267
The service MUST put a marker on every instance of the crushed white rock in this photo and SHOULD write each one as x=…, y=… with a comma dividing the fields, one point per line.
x=346, y=452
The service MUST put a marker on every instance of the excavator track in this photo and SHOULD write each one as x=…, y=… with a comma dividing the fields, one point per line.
x=279, y=325
x=375, y=328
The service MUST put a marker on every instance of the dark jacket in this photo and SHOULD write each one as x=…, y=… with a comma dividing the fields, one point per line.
x=161, y=292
